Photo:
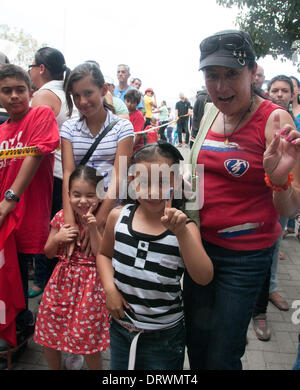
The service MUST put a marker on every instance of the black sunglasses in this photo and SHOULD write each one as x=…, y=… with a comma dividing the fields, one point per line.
x=32, y=66
x=232, y=42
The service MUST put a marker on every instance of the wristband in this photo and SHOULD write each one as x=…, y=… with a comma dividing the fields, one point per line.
x=279, y=188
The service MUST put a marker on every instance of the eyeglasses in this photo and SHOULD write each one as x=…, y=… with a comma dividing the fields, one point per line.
x=33, y=66
x=232, y=42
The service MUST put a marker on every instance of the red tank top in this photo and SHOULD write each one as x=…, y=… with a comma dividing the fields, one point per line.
x=238, y=211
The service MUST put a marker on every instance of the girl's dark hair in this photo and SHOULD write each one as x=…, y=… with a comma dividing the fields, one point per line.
x=81, y=71
x=86, y=173
x=54, y=61
x=150, y=153
x=14, y=71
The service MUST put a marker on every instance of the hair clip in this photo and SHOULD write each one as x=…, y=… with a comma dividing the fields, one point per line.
x=170, y=148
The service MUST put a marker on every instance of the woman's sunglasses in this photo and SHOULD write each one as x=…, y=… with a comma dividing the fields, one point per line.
x=232, y=42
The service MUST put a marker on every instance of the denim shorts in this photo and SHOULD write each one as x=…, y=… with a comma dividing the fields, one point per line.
x=156, y=350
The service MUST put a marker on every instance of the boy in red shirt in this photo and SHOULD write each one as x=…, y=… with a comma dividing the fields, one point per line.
x=25, y=183
x=132, y=99
x=152, y=136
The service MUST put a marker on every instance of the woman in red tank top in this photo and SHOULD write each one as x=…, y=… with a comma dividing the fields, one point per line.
x=248, y=138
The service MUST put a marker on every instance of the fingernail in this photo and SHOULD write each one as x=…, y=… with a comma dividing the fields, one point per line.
x=293, y=142
x=283, y=131
x=169, y=194
x=288, y=138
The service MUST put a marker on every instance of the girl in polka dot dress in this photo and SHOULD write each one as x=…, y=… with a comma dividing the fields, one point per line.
x=72, y=316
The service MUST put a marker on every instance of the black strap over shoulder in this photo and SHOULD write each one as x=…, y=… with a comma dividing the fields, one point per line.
x=97, y=141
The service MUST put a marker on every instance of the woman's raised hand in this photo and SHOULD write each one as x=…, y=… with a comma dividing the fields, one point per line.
x=283, y=153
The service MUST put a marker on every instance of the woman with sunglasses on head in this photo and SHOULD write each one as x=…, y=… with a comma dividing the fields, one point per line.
x=247, y=137
x=48, y=74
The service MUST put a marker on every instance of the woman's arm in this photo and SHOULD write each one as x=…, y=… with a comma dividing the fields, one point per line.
x=68, y=166
x=123, y=154
x=45, y=97
x=282, y=157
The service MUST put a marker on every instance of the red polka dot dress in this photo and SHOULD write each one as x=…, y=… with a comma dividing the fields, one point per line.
x=72, y=315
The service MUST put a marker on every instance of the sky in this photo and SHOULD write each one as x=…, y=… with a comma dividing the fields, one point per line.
x=158, y=39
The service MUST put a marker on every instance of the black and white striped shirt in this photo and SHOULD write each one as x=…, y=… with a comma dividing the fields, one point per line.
x=147, y=271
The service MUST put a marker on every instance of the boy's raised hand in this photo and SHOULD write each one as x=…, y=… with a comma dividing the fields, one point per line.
x=173, y=219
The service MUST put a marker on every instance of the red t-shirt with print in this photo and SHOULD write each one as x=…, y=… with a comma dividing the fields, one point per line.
x=32, y=213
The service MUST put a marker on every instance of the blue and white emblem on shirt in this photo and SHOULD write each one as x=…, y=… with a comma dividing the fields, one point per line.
x=236, y=167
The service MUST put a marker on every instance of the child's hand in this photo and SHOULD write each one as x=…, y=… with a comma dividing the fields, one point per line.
x=67, y=234
x=89, y=219
x=173, y=219
x=6, y=207
x=115, y=303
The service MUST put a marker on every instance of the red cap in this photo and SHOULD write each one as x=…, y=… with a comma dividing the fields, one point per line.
x=149, y=90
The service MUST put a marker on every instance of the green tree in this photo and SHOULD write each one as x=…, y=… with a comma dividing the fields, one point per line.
x=26, y=44
x=274, y=25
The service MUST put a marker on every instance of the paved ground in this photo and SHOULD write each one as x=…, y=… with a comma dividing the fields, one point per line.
x=277, y=354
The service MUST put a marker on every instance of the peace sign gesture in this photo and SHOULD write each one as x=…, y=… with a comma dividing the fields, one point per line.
x=283, y=153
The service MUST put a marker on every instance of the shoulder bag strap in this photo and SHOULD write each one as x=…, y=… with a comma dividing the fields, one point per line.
x=209, y=116
x=97, y=141
x=210, y=113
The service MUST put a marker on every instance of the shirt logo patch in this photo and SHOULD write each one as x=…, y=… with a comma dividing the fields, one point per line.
x=236, y=167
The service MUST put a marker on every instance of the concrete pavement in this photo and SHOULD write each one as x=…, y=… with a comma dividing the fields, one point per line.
x=277, y=354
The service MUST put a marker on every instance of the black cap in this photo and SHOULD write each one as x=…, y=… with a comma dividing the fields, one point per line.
x=230, y=48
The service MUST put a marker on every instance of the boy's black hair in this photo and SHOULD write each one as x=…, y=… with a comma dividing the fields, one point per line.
x=133, y=96
x=281, y=77
x=15, y=71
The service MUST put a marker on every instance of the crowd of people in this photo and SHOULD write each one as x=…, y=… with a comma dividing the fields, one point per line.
x=92, y=200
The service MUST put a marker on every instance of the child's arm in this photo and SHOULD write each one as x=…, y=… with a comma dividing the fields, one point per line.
x=66, y=234
x=114, y=299
x=24, y=177
x=196, y=260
